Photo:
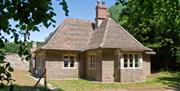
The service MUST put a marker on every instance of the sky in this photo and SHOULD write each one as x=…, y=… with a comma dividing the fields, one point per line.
x=81, y=9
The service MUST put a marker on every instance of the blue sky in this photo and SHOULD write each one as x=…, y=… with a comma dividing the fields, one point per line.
x=81, y=9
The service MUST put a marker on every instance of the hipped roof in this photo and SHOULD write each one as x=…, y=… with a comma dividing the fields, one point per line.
x=78, y=35
x=111, y=35
x=72, y=34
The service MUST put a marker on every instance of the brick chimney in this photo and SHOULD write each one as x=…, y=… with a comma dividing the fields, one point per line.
x=101, y=12
x=34, y=46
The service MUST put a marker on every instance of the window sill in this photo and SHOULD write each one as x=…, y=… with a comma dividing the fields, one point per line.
x=69, y=68
x=131, y=68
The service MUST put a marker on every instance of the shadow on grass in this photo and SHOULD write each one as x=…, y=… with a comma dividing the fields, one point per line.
x=23, y=88
x=172, y=81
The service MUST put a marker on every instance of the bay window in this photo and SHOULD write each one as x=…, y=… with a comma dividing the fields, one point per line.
x=131, y=60
x=136, y=61
x=125, y=61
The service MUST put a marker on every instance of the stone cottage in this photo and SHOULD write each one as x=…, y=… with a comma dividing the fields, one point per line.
x=102, y=51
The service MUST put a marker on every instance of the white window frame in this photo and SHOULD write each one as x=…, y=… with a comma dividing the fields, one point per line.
x=124, y=61
x=140, y=60
x=69, y=62
x=135, y=61
x=92, y=61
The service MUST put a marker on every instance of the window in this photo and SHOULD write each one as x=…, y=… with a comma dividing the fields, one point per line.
x=72, y=61
x=92, y=61
x=131, y=61
x=136, y=61
x=69, y=61
x=66, y=61
x=125, y=61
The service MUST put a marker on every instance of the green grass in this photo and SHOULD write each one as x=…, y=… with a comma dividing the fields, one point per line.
x=23, y=88
x=155, y=81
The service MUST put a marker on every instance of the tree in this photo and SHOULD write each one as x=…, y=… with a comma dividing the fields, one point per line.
x=114, y=11
x=28, y=15
x=155, y=23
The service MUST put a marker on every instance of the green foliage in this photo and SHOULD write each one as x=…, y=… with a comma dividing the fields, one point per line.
x=28, y=15
x=115, y=11
x=14, y=48
x=23, y=88
x=155, y=23
x=178, y=55
x=11, y=48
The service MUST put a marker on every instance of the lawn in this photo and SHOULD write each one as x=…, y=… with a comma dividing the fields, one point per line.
x=23, y=88
x=23, y=82
x=155, y=81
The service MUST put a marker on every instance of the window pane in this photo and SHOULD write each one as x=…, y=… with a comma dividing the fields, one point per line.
x=131, y=63
x=125, y=56
x=136, y=61
x=125, y=61
x=130, y=60
x=91, y=61
x=66, y=61
x=94, y=61
x=71, y=61
x=94, y=64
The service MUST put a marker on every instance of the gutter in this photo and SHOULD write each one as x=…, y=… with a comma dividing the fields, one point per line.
x=150, y=53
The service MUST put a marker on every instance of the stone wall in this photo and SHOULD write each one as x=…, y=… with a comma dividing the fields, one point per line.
x=131, y=75
x=39, y=63
x=116, y=67
x=99, y=66
x=82, y=65
x=56, y=71
x=96, y=73
x=55, y=66
x=91, y=72
x=108, y=65
x=17, y=62
x=146, y=65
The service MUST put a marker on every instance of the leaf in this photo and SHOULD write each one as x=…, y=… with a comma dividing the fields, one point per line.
x=7, y=65
x=23, y=27
x=65, y=7
x=10, y=69
x=1, y=43
x=25, y=15
x=17, y=25
x=154, y=24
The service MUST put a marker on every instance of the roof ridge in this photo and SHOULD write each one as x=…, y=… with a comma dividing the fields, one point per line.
x=105, y=33
x=58, y=29
x=84, y=20
x=51, y=34
x=89, y=40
